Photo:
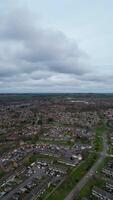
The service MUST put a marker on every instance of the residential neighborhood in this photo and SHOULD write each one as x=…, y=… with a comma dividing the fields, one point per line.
x=50, y=145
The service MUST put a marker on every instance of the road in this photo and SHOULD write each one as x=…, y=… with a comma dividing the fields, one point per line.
x=8, y=196
x=36, y=192
x=74, y=193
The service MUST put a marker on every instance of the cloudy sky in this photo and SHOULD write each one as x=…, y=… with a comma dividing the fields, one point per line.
x=56, y=46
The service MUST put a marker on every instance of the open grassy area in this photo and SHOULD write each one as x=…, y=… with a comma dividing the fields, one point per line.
x=50, y=189
x=86, y=191
x=73, y=177
x=50, y=159
x=103, y=163
x=99, y=130
x=35, y=157
x=2, y=173
x=110, y=150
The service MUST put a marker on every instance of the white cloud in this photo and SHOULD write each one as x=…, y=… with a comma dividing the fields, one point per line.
x=33, y=58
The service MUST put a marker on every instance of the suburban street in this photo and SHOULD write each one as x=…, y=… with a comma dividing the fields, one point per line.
x=39, y=173
x=74, y=193
x=35, y=193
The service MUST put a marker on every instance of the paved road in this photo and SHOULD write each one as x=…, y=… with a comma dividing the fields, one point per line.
x=8, y=196
x=74, y=193
x=36, y=192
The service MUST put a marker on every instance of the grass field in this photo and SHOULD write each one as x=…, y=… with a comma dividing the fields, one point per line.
x=99, y=130
x=86, y=191
x=73, y=177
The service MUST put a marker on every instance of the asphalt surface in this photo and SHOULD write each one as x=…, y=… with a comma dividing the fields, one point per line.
x=8, y=196
x=74, y=193
x=33, y=195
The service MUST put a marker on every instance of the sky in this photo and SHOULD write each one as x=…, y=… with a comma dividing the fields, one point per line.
x=56, y=46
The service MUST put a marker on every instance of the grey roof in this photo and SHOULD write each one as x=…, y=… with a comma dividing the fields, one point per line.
x=103, y=193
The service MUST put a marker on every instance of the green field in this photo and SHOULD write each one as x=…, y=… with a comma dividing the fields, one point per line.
x=2, y=173
x=98, y=142
x=86, y=191
x=73, y=177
